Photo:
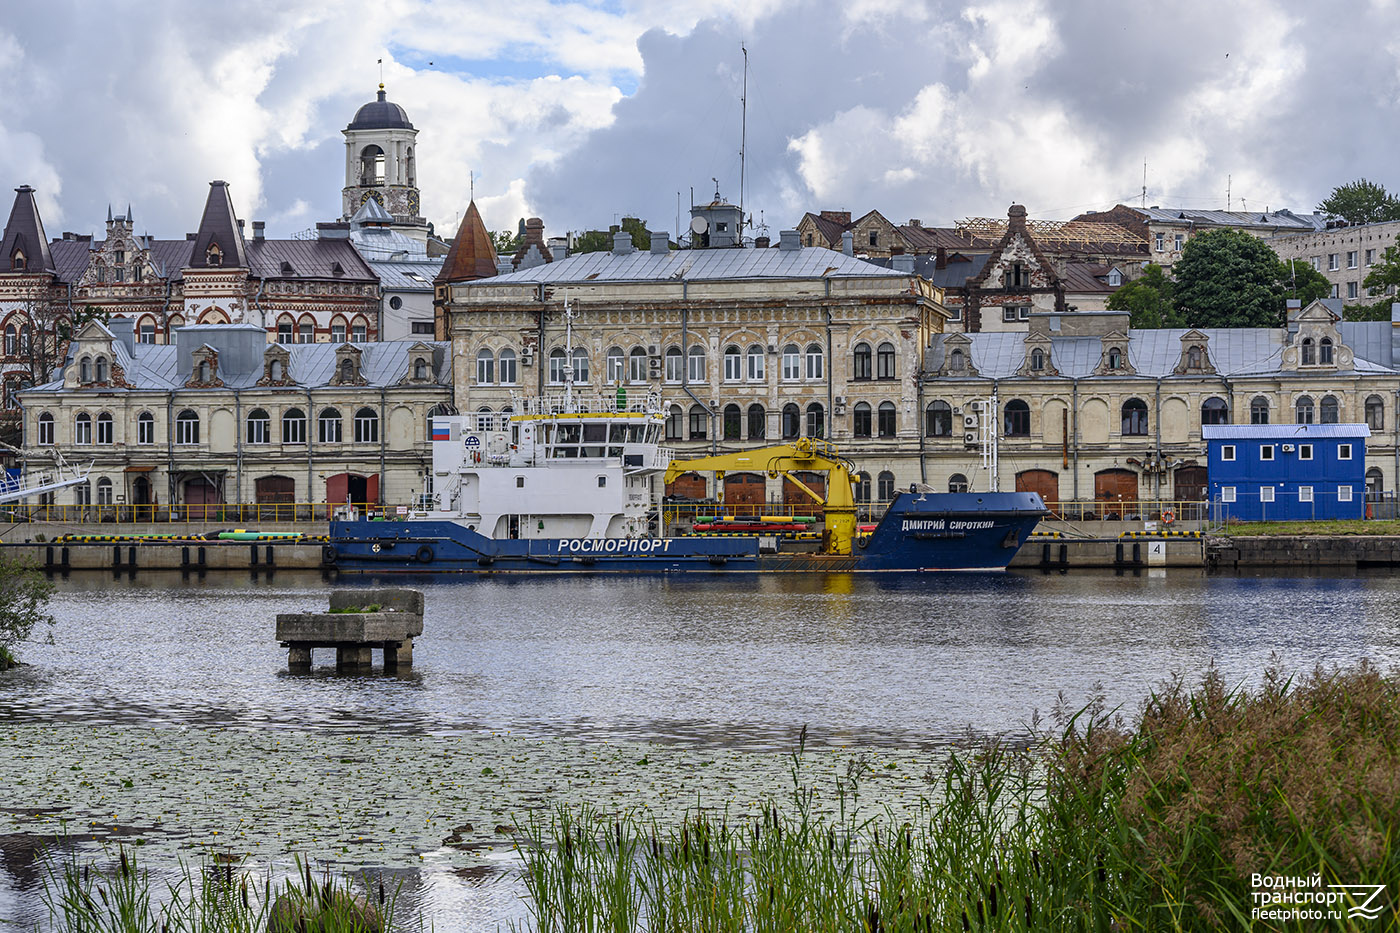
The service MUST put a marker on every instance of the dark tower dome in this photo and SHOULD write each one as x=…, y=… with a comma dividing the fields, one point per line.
x=380, y=114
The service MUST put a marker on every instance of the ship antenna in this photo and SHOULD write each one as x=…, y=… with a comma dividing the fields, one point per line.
x=568, y=355
x=743, y=138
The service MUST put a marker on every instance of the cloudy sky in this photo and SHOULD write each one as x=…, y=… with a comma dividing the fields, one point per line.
x=582, y=112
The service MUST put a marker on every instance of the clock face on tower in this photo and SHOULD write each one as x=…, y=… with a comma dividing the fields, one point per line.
x=373, y=194
x=413, y=203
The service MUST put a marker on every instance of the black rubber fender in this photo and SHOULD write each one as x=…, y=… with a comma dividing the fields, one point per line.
x=329, y=554
x=424, y=554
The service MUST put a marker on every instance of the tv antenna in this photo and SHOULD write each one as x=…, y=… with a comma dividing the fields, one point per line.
x=743, y=137
x=1228, y=180
x=1144, y=184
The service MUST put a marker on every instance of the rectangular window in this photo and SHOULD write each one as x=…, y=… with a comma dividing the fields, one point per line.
x=1343, y=493
x=1332, y=264
x=756, y=366
x=1370, y=257
x=814, y=363
x=1266, y=452
x=1008, y=314
x=1343, y=451
x=1336, y=291
x=145, y=430
x=1351, y=289
x=1305, y=494
x=82, y=494
x=1227, y=451
x=733, y=367
x=507, y=369
x=1179, y=241
x=674, y=366
x=359, y=333
x=1351, y=259
x=1227, y=493
x=82, y=431
x=337, y=332
x=284, y=332
x=695, y=371
x=1266, y=494
x=1305, y=451
x=1316, y=263
x=874, y=238
x=148, y=333
x=1159, y=242
x=792, y=365
x=421, y=328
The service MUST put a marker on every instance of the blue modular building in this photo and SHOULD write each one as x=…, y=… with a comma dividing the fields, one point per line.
x=1283, y=472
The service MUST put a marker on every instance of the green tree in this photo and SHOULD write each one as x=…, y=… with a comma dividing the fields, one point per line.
x=597, y=241
x=1298, y=279
x=1386, y=273
x=24, y=598
x=1362, y=202
x=506, y=243
x=592, y=241
x=1227, y=278
x=1376, y=312
x=1148, y=300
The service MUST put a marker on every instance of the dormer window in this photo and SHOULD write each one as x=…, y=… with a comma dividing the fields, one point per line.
x=1309, y=352
x=274, y=371
x=1115, y=278
x=347, y=370
x=203, y=370
x=1324, y=355
x=1115, y=358
x=101, y=369
x=85, y=370
x=287, y=268
x=420, y=368
x=1037, y=360
x=337, y=270
x=1018, y=276
x=957, y=361
x=17, y=261
x=214, y=256
x=1194, y=358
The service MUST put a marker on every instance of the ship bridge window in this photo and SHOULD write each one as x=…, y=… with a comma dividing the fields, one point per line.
x=520, y=482
x=617, y=434
x=595, y=433
x=602, y=481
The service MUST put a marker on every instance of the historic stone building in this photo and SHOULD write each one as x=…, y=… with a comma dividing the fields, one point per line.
x=381, y=165
x=1091, y=411
x=1166, y=230
x=1344, y=254
x=747, y=346
x=219, y=415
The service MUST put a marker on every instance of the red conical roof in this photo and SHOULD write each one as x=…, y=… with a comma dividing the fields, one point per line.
x=473, y=253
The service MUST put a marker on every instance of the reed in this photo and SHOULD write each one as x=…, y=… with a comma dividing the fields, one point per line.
x=1098, y=828
x=220, y=898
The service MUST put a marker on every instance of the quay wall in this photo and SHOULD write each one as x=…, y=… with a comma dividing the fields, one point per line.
x=1228, y=552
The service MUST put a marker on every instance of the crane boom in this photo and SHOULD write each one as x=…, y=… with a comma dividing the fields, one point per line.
x=806, y=454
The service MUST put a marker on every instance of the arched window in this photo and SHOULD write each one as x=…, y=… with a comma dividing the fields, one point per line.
x=862, y=367
x=695, y=372
x=82, y=429
x=359, y=330
x=104, y=491
x=284, y=329
x=884, y=361
x=347, y=370
x=45, y=429
x=558, y=366
x=886, y=419
x=957, y=483
x=17, y=261
x=675, y=364
x=1037, y=360
x=1330, y=410
x=440, y=410
x=366, y=426
x=699, y=422
x=733, y=364
x=274, y=371
x=213, y=256
x=85, y=370
x=1375, y=413
x=1258, y=410
x=861, y=420
x=792, y=363
x=1375, y=483
x=1195, y=359
x=1017, y=422
x=204, y=371
x=371, y=166
x=758, y=422
x=338, y=328
x=1309, y=352
x=938, y=419
x=485, y=367
x=675, y=424
x=24, y=344
x=884, y=486
x=104, y=428
x=1303, y=410
x=754, y=371
x=1135, y=417
x=259, y=428
x=862, y=487
x=816, y=420
x=1324, y=351
x=580, y=366
x=616, y=365
x=328, y=426
x=792, y=421
x=420, y=369
x=11, y=340
x=101, y=369
x=957, y=361
x=506, y=368
x=145, y=428
x=187, y=427
x=637, y=365
x=733, y=423
x=1115, y=357
x=815, y=361
x=1215, y=411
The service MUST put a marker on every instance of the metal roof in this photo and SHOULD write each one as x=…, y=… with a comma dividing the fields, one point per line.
x=307, y=259
x=1271, y=219
x=1215, y=432
x=694, y=265
x=406, y=276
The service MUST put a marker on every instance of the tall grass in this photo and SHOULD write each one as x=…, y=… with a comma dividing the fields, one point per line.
x=1098, y=828
x=83, y=898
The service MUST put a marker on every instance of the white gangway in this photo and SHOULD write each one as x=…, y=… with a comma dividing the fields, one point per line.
x=60, y=476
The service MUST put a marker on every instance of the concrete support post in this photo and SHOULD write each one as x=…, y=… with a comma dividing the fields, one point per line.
x=353, y=657
x=299, y=658
x=397, y=657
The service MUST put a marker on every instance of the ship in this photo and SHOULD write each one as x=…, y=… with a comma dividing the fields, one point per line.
x=568, y=483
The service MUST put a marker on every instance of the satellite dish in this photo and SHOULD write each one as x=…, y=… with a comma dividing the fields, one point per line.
x=699, y=225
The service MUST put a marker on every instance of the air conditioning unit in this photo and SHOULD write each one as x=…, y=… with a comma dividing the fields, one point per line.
x=975, y=405
x=772, y=349
x=653, y=350
x=1287, y=448
x=839, y=405
x=970, y=438
x=957, y=409
x=969, y=421
x=527, y=358
x=654, y=364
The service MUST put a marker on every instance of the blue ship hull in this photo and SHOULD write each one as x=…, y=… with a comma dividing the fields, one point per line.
x=919, y=532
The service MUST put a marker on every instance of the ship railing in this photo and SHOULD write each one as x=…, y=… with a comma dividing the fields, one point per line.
x=558, y=403
x=184, y=513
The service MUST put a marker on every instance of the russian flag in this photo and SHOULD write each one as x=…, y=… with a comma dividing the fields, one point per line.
x=441, y=432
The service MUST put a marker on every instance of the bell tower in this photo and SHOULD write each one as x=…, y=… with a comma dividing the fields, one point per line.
x=381, y=163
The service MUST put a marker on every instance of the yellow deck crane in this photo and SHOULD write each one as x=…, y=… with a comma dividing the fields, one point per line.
x=805, y=454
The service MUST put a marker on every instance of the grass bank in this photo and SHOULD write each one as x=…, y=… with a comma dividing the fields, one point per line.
x=1337, y=527
x=1162, y=827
